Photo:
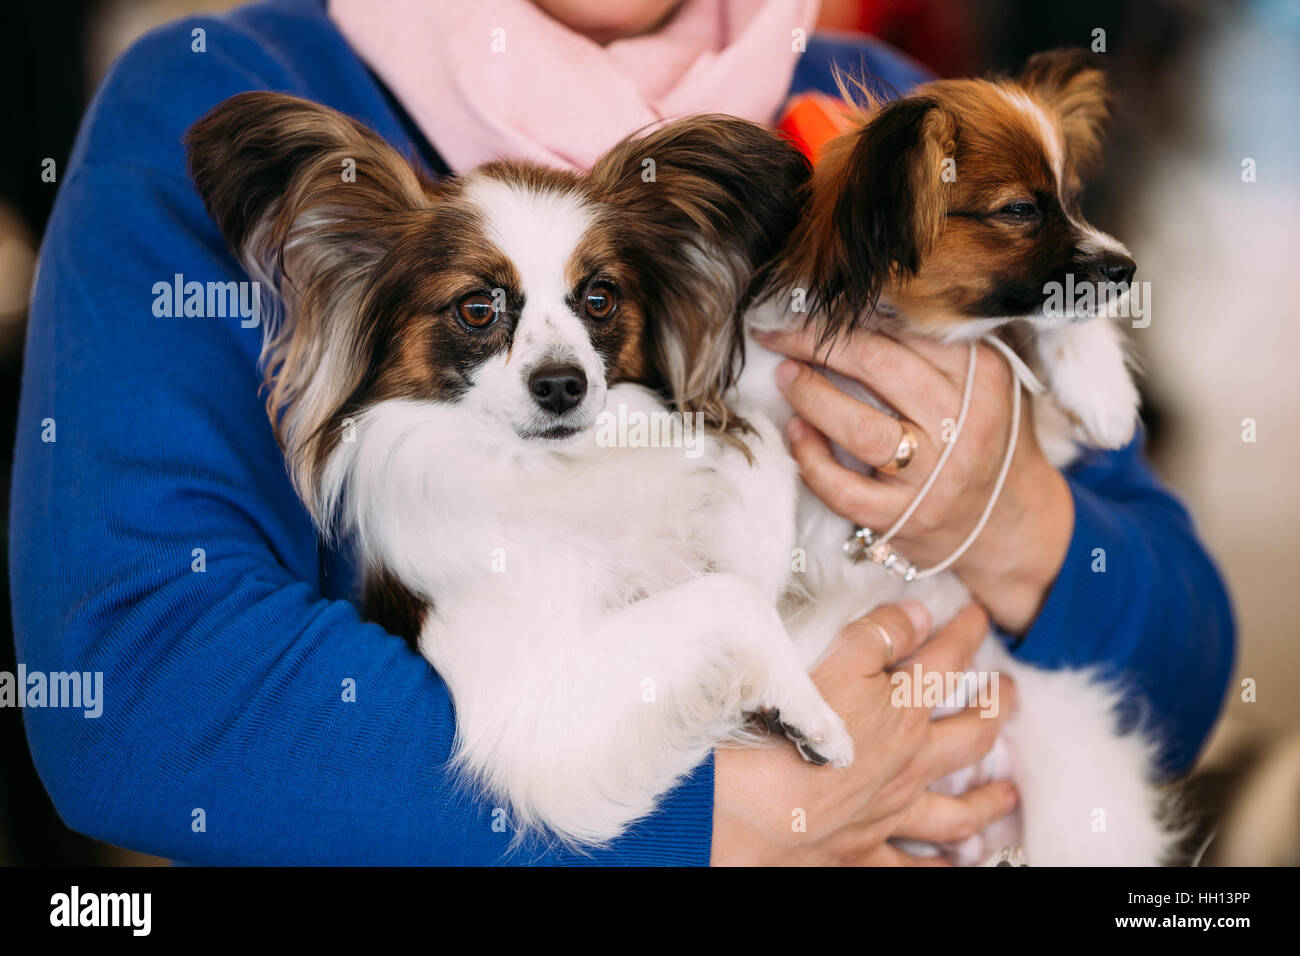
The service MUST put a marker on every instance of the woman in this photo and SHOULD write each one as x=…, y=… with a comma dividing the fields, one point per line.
x=250, y=716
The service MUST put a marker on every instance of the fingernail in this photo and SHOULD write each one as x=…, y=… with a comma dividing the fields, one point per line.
x=918, y=615
x=796, y=429
x=1012, y=798
x=785, y=373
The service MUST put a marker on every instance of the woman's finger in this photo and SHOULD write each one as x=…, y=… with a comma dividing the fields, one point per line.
x=868, y=846
x=918, y=390
x=964, y=738
x=950, y=359
x=871, y=643
x=936, y=818
x=885, y=854
x=847, y=493
x=866, y=433
x=955, y=645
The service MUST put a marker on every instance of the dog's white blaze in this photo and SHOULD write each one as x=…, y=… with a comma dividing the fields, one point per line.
x=538, y=231
x=1048, y=131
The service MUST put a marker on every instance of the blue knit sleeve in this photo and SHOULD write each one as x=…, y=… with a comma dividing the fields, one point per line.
x=886, y=71
x=156, y=540
x=1139, y=597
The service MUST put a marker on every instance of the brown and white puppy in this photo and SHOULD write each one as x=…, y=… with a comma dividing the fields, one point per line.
x=955, y=212
x=602, y=607
x=950, y=213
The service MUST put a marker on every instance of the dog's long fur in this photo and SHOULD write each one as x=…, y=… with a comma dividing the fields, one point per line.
x=604, y=615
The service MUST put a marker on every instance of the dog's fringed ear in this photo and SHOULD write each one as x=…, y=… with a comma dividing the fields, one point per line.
x=309, y=200
x=270, y=167
x=877, y=207
x=705, y=204
x=1071, y=84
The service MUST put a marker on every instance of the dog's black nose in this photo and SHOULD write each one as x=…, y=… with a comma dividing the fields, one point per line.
x=557, y=388
x=1116, y=268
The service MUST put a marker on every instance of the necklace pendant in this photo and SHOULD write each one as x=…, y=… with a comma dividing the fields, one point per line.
x=864, y=546
x=858, y=544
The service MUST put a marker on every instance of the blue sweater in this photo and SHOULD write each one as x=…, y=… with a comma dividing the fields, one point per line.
x=226, y=670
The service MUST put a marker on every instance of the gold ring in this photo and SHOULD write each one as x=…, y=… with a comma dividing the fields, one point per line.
x=907, y=446
x=884, y=636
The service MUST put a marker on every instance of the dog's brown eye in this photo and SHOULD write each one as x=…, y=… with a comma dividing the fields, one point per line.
x=477, y=310
x=600, y=301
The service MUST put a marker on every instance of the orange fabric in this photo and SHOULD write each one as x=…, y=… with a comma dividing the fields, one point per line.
x=812, y=120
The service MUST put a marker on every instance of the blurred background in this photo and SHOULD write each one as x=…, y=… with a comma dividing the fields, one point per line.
x=1203, y=86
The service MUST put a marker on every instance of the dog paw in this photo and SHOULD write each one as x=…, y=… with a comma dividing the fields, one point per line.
x=1109, y=419
x=1086, y=367
x=821, y=739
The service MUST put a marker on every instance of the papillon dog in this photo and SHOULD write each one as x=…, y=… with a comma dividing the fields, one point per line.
x=603, y=612
x=950, y=213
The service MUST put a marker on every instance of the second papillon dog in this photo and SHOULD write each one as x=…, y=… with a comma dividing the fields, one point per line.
x=951, y=213
x=603, y=611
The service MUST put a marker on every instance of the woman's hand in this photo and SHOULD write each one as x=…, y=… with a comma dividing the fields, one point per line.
x=772, y=807
x=1013, y=563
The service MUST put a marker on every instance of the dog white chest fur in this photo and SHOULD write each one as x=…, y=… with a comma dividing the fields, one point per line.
x=603, y=615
